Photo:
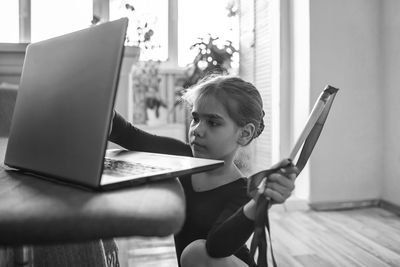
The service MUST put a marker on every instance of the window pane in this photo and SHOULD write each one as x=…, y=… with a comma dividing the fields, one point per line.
x=56, y=17
x=9, y=21
x=197, y=19
x=140, y=12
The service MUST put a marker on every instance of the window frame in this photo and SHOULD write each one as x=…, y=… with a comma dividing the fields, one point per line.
x=101, y=8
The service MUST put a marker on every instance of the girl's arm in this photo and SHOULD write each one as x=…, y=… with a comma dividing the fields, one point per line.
x=236, y=224
x=231, y=231
x=126, y=135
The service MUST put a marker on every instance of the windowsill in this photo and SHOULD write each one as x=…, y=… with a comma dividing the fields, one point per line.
x=130, y=51
x=13, y=47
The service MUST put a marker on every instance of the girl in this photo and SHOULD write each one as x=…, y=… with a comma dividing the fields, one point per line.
x=226, y=115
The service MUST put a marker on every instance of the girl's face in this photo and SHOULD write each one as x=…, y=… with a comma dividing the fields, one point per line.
x=213, y=134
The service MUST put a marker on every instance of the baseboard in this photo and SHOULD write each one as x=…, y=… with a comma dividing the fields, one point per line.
x=390, y=207
x=342, y=205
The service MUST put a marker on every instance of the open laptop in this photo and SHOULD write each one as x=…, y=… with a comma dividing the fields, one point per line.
x=63, y=113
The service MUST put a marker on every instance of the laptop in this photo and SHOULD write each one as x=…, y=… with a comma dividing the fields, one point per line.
x=63, y=112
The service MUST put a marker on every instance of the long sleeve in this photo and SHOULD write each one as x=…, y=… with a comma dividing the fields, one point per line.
x=217, y=216
x=230, y=232
x=126, y=135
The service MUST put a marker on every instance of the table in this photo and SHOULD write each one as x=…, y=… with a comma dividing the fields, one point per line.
x=35, y=211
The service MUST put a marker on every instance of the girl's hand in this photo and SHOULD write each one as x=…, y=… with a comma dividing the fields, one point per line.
x=278, y=187
x=280, y=184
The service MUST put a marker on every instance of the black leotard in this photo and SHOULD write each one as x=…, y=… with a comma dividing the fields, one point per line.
x=214, y=215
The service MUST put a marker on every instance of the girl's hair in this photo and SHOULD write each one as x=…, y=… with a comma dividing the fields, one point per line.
x=241, y=99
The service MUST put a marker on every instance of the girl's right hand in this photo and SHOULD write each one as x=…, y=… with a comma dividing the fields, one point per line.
x=280, y=184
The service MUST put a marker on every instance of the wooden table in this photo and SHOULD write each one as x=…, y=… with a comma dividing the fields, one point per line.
x=36, y=211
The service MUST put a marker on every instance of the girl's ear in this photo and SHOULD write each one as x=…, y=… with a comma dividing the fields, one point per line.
x=246, y=134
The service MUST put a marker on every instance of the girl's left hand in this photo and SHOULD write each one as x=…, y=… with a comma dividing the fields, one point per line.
x=280, y=185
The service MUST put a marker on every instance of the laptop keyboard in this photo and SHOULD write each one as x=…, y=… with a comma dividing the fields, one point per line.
x=124, y=168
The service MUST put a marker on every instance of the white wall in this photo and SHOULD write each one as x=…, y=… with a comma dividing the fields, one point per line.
x=347, y=164
x=391, y=82
x=300, y=90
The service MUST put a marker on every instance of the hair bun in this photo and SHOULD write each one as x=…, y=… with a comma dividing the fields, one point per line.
x=260, y=128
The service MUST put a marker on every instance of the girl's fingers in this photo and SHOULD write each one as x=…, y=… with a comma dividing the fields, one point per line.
x=279, y=187
x=283, y=191
x=281, y=180
x=290, y=170
x=274, y=195
x=282, y=163
x=280, y=184
x=292, y=176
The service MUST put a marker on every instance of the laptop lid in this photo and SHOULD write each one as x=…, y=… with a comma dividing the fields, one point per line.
x=64, y=105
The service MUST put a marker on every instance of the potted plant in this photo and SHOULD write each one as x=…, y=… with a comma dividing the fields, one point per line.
x=210, y=58
x=144, y=75
x=147, y=100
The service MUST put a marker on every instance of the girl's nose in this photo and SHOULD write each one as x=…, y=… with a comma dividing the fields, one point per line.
x=198, y=129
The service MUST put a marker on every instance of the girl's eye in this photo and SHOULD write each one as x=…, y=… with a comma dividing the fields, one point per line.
x=195, y=119
x=212, y=123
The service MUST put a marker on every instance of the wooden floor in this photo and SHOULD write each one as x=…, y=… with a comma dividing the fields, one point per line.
x=302, y=237
x=147, y=252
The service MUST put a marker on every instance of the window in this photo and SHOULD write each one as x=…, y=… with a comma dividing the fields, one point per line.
x=51, y=18
x=9, y=21
x=197, y=19
x=154, y=13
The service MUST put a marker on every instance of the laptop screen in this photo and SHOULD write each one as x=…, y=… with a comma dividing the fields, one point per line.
x=64, y=103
